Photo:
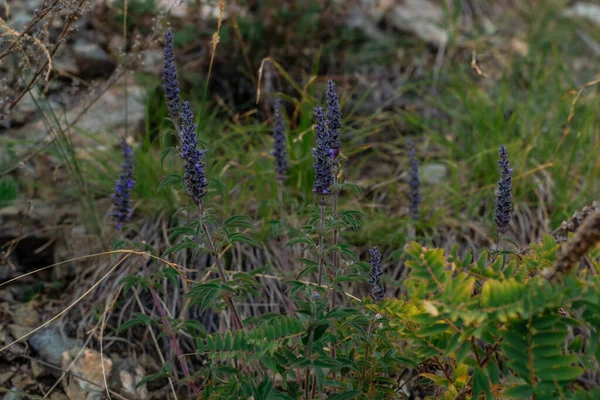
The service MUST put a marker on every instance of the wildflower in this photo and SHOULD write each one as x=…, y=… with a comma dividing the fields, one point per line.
x=504, y=193
x=377, y=290
x=194, y=177
x=170, y=83
x=414, y=197
x=122, y=197
x=334, y=120
x=279, y=152
x=322, y=164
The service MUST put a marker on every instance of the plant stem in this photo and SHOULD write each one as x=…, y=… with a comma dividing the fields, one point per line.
x=236, y=320
x=308, y=356
x=361, y=380
x=334, y=234
x=334, y=243
x=286, y=262
x=322, y=206
x=171, y=335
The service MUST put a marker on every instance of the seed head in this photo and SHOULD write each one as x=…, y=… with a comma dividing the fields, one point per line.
x=377, y=289
x=414, y=197
x=122, y=197
x=504, y=193
x=279, y=151
x=170, y=83
x=194, y=176
x=321, y=155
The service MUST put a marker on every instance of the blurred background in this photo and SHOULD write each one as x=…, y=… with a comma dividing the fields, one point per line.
x=458, y=77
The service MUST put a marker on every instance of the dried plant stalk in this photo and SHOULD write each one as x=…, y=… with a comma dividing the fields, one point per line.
x=585, y=239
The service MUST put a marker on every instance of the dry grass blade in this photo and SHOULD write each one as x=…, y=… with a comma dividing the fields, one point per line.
x=572, y=110
x=176, y=267
x=11, y=32
x=94, y=286
x=160, y=355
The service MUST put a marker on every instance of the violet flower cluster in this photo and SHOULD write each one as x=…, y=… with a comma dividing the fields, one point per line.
x=504, y=194
x=121, y=212
x=170, y=83
x=334, y=120
x=321, y=154
x=327, y=129
x=194, y=177
x=414, y=196
x=279, y=151
x=377, y=290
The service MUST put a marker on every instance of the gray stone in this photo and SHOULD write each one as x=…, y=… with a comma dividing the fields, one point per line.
x=51, y=343
x=433, y=173
x=92, y=59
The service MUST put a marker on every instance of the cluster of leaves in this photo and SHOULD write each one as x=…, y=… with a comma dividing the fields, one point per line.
x=496, y=327
x=467, y=327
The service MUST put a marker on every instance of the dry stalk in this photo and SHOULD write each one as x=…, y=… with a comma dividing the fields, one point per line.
x=586, y=238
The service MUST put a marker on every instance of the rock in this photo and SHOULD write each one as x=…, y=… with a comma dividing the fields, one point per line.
x=37, y=369
x=5, y=375
x=152, y=62
x=586, y=10
x=433, y=173
x=25, y=314
x=126, y=376
x=91, y=59
x=105, y=117
x=89, y=366
x=8, y=269
x=18, y=331
x=64, y=62
x=23, y=380
x=51, y=343
x=14, y=394
x=422, y=18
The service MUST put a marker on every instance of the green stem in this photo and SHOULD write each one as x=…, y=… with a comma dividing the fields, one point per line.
x=322, y=206
x=286, y=260
x=308, y=356
x=236, y=320
x=334, y=235
x=361, y=380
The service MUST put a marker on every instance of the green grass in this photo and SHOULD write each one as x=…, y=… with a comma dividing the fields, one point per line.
x=524, y=104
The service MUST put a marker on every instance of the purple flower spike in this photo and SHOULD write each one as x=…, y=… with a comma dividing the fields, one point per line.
x=504, y=193
x=170, y=83
x=334, y=120
x=122, y=197
x=194, y=177
x=279, y=151
x=414, y=197
x=321, y=155
x=377, y=290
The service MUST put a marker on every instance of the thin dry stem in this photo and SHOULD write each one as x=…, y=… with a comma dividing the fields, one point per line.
x=94, y=286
